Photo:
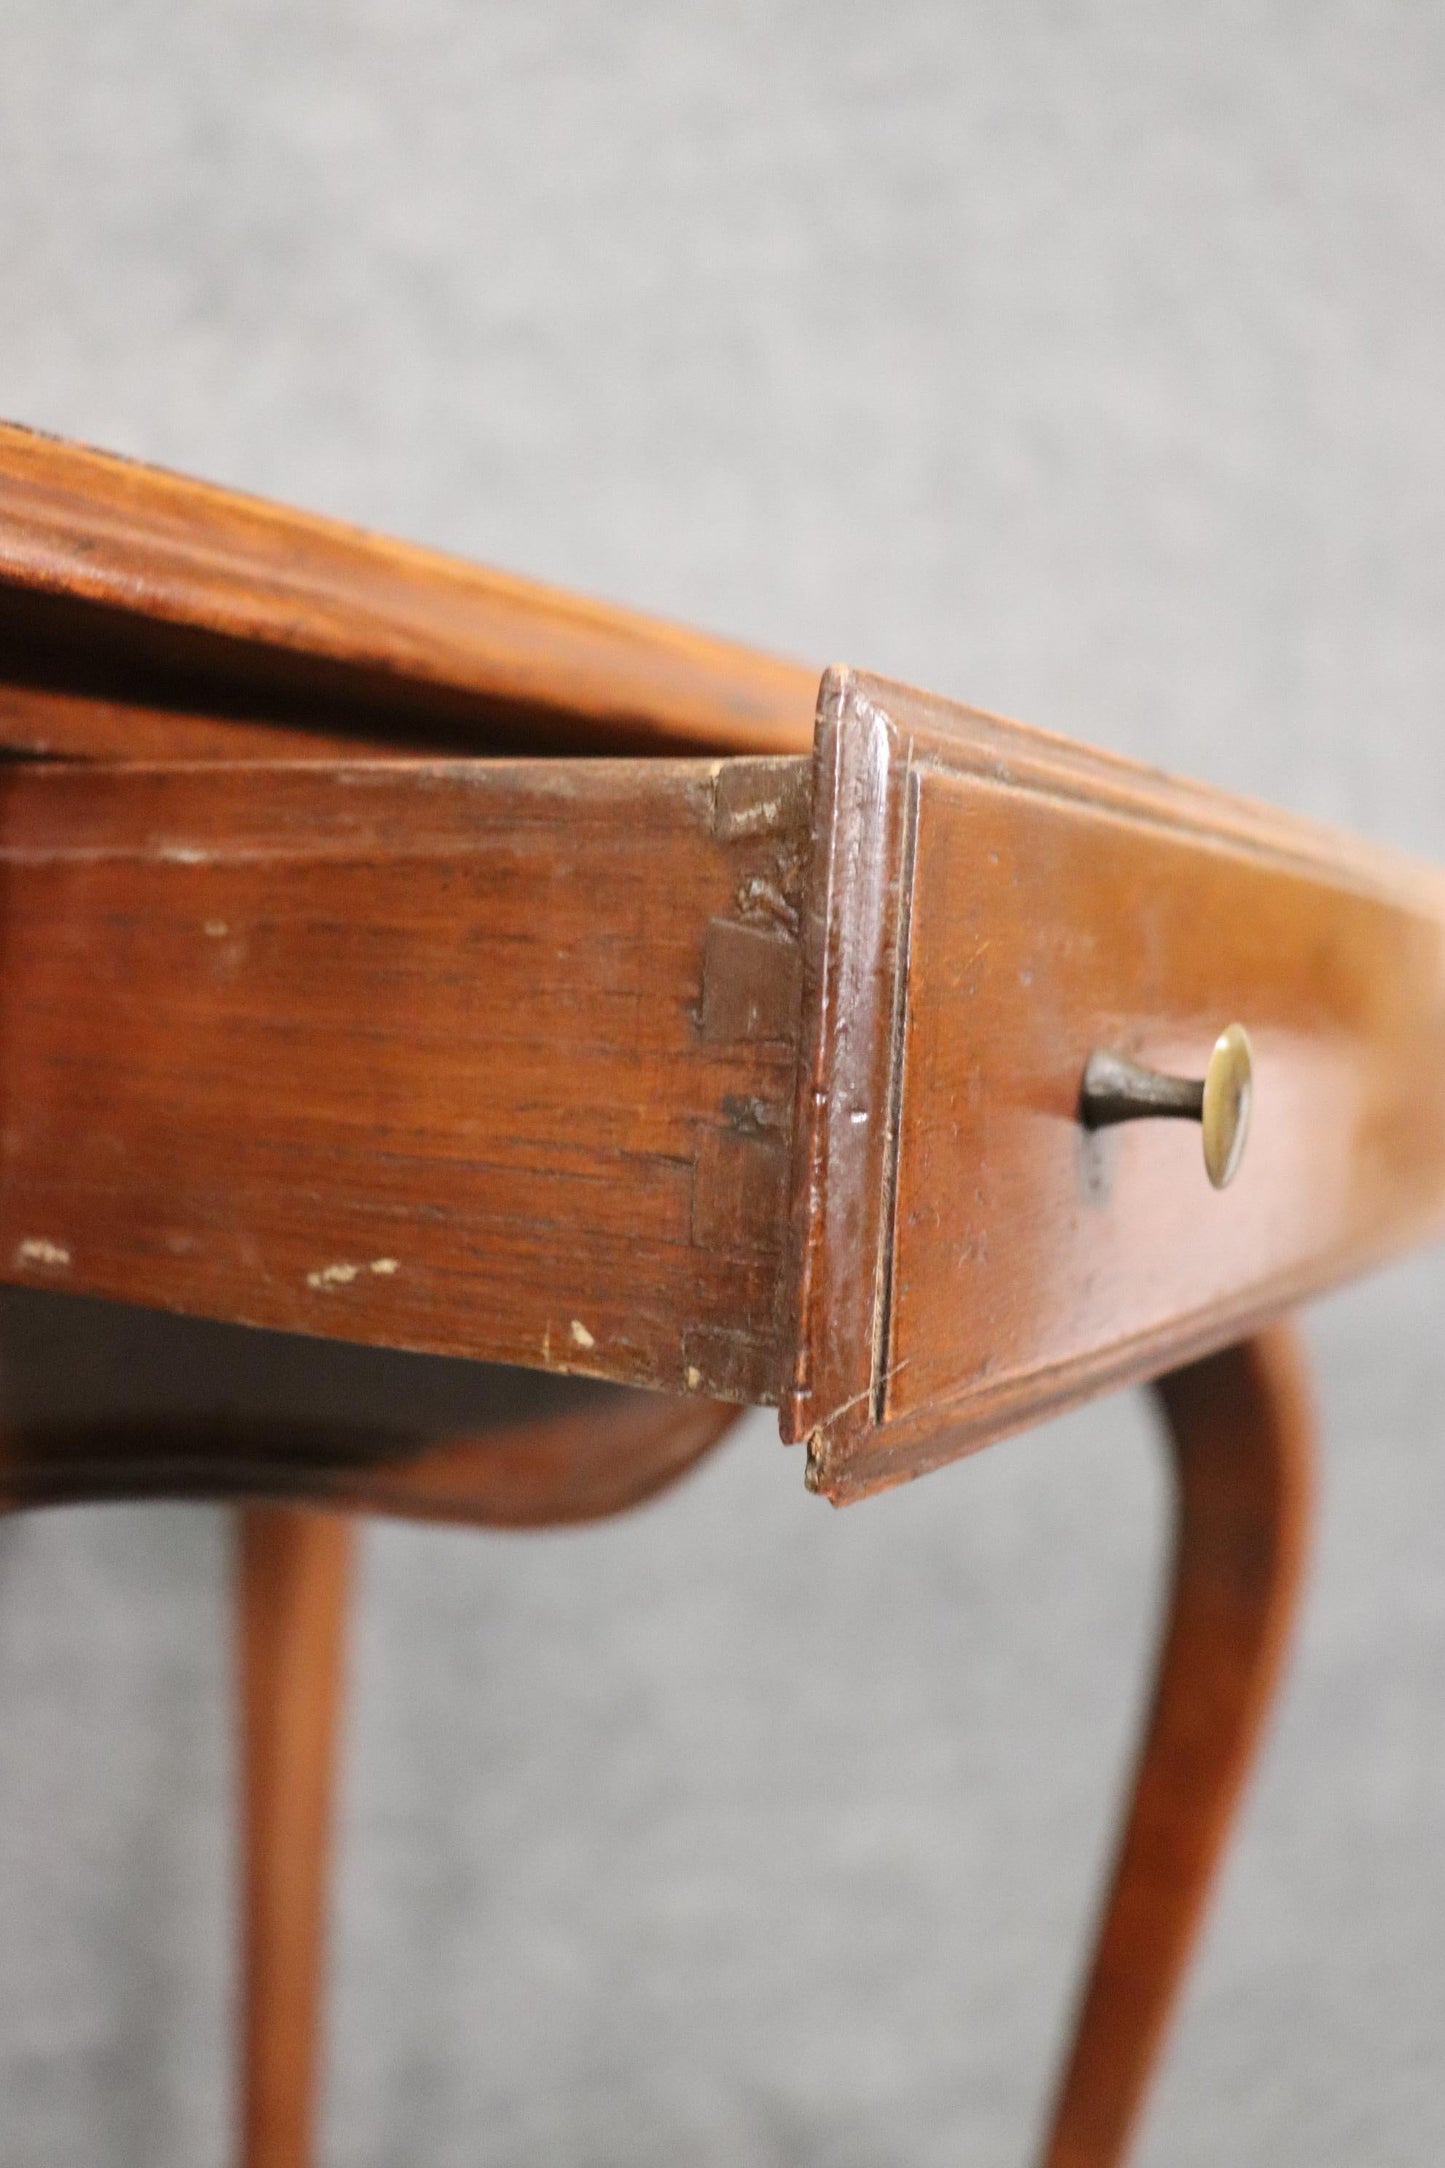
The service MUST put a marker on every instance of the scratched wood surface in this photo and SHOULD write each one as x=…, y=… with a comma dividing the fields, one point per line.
x=988, y=906
x=150, y=597
x=492, y=1059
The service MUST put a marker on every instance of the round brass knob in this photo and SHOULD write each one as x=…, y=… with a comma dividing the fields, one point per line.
x=1116, y=1089
x=1228, y=1097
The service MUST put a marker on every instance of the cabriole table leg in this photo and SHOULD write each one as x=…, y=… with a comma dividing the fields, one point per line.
x=1241, y=1434
x=294, y=1580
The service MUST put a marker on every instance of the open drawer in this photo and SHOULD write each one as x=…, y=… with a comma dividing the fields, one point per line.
x=753, y=1078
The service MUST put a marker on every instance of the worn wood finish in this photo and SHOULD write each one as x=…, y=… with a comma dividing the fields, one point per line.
x=293, y=1584
x=493, y=1059
x=501, y=1058
x=1241, y=1435
x=987, y=906
x=131, y=582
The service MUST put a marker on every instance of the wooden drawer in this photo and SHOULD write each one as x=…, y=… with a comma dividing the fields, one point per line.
x=755, y=1079
x=483, y=1058
x=990, y=907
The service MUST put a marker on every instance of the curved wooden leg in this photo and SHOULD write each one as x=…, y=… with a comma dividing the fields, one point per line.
x=294, y=1574
x=1242, y=1439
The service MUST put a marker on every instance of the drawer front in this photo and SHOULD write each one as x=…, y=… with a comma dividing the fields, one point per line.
x=1017, y=906
x=1023, y=1241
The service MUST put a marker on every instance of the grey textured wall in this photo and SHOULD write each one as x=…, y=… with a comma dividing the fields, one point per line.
x=1084, y=362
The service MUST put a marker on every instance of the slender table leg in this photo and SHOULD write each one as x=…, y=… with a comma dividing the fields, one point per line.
x=1242, y=1440
x=294, y=1571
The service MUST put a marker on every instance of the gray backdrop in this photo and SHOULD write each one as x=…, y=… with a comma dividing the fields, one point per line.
x=1083, y=362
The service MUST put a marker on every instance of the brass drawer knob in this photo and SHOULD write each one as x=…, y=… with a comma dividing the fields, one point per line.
x=1119, y=1090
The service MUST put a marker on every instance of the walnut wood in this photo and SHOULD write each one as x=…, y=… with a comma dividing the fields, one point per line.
x=185, y=595
x=501, y=1058
x=1241, y=1435
x=481, y=1058
x=986, y=907
x=624, y=1068
x=293, y=1584
x=498, y=1058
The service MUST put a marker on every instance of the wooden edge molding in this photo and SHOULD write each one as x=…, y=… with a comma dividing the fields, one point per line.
x=196, y=596
x=853, y=972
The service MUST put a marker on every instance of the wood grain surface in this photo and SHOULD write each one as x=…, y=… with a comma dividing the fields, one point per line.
x=488, y=1059
x=747, y=1079
x=507, y=1059
x=987, y=906
x=124, y=583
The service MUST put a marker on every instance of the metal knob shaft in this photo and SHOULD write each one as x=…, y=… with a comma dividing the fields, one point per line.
x=1116, y=1089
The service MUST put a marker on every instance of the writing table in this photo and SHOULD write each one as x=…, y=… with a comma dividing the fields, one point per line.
x=422, y=961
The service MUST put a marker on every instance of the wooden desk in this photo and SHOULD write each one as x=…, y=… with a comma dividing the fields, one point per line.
x=415, y=959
